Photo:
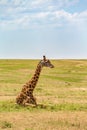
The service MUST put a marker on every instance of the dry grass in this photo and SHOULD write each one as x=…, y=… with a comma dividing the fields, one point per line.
x=62, y=91
x=45, y=120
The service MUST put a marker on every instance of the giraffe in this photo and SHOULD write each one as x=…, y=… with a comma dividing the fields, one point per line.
x=26, y=95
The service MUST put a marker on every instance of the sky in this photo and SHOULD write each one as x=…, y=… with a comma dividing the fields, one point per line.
x=30, y=29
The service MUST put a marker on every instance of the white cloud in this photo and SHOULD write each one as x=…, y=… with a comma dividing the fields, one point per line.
x=70, y=17
x=16, y=2
x=70, y=2
x=58, y=18
x=41, y=15
x=28, y=13
x=42, y=4
x=38, y=2
x=3, y=2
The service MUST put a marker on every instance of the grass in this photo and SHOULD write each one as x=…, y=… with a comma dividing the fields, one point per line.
x=10, y=106
x=61, y=96
x=5, y=125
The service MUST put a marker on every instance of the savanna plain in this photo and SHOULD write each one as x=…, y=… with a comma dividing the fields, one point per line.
x=61, y=95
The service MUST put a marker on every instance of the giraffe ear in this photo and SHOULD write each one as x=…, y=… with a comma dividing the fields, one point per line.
x=44, y=58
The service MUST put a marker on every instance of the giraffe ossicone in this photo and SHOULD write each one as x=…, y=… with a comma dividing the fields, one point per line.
x=26, y=95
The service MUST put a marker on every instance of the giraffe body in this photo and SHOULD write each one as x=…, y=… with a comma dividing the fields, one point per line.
x=26, y=96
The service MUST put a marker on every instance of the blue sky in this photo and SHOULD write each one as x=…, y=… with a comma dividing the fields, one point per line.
x=33, y=28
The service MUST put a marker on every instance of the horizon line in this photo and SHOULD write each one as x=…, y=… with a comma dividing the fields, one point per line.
x=41, y=58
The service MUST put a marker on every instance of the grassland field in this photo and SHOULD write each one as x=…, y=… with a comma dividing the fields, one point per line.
x=62, y=91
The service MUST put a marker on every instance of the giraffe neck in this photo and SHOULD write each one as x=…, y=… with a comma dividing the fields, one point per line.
x=36, y=75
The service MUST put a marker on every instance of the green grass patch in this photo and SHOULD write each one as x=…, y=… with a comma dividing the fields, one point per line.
x=6, y=125
x=65, y=79
x=10, y=106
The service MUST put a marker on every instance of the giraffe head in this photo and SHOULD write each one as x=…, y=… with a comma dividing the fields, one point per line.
x=46, y=63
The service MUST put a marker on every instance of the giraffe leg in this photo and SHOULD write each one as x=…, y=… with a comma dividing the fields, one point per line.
x=30, y=101
x=21, y=98
x=33, y=101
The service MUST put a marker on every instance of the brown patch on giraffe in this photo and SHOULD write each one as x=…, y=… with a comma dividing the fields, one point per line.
x=24, y=88
x=34, y=83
